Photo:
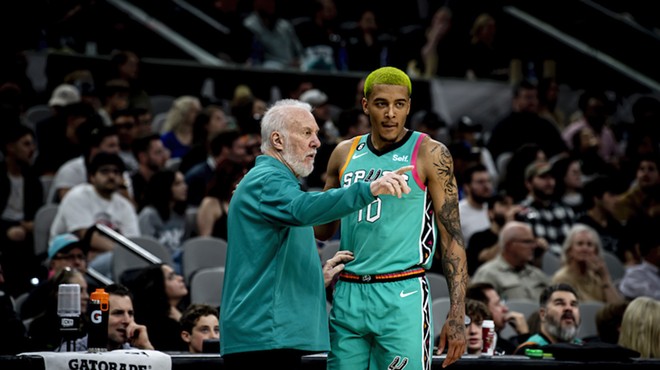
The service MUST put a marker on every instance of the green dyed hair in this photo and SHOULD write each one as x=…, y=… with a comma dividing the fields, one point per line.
x=387, y=76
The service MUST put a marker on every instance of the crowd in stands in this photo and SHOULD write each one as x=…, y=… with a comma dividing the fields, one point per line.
x=543, y=184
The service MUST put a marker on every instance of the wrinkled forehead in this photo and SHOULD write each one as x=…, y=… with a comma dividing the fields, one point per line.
x=301, y=120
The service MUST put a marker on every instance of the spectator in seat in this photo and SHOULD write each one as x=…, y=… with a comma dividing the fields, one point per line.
x=560, y=318
x=643, y=279
x=511, y=273
x=123, y=331
x=501, y=316
x=198, y=323
x=484, y=245
x=65, y=251
x=151, y=156
x=44, y=330
x=584, y=268
x=640, y=327
x=21, y=196
x=213, y=211
x=164, y=214
x=160, y=296
x=549, y=218
x=98, y=201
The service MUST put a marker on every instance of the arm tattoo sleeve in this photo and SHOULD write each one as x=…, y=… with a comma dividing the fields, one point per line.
x=453, y=265
x=449, y=209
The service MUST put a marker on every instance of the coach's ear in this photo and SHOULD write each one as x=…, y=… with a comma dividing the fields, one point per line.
x=277, y=140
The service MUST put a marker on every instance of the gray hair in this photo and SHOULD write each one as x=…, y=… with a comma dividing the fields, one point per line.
x=277, y=118
x=570, y=238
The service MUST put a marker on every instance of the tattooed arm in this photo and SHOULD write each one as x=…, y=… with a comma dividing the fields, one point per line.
x=437, y=172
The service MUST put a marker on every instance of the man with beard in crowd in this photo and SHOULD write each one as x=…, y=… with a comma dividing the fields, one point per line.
x=473, y=208
x=560, y=318
x=549, y=218
x=151, y=156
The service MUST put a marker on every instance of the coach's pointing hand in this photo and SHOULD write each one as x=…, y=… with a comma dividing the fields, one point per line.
x=392, y=183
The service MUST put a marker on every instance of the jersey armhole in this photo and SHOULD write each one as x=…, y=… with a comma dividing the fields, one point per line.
x=354, y=145
x=415, y=172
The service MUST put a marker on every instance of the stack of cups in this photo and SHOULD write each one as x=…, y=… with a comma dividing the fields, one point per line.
x=489, y=338
x=68, y=311
x=68, y=305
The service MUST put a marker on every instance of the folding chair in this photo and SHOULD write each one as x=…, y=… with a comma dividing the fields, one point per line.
x=201, y=252
x=206, y=286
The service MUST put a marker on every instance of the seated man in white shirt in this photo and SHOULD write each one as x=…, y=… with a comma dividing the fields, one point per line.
x=478, y=188
x=98, y=202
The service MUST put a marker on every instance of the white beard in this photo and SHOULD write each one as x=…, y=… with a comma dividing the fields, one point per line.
x=300, y=168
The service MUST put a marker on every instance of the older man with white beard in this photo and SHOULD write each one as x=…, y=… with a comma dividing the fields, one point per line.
x=560, y=318
x=273, y=300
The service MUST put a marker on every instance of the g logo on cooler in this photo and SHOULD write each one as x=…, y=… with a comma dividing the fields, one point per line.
x=97, y=317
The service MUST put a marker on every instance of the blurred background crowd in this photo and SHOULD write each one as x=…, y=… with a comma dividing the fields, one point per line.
x=144, y=115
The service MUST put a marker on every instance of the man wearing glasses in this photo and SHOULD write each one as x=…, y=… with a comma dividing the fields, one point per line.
x=126, y=123
x=65, y=250
x=512, y=273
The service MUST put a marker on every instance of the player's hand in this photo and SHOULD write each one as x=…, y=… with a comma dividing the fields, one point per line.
x=335, y=265
x=453, y=331
x=392, y=183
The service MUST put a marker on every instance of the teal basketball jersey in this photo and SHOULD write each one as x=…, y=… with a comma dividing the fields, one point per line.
x=390, y=234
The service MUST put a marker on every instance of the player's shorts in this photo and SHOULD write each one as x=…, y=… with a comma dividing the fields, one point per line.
x=381, y=322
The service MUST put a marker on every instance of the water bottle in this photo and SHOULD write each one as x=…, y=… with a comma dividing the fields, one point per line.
x=97, y=340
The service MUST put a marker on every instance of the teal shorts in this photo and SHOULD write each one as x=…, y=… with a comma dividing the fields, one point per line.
x=382, y=325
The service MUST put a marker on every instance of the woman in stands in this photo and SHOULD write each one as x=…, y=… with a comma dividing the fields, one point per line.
x=163, y=216
x=640, y=327
x=209, y=122
x=584, y=268
x=177, y=133
x=212, y=212
x=160, y=296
